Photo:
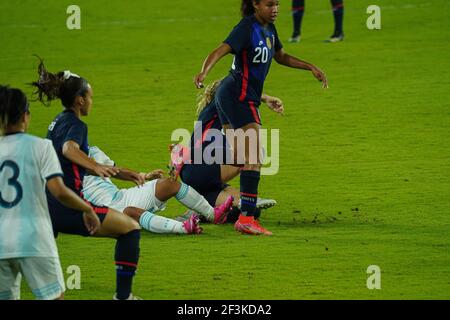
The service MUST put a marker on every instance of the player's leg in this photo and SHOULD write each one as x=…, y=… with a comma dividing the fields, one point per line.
x=127, y=232
x=10, y=279
x=158, y=224
x=190, y=198
x=249, y=181
x=228, y=173
x=338, y=13
x=298, y=8
x=44, y=276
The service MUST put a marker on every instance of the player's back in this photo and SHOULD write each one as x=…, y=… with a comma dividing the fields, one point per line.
x=26, y=162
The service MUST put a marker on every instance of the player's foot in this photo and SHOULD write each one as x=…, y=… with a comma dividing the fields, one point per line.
x=335, y=38
x=265, y=203
x=248, y=225
x=191, y=225
x=294, y=39
x=220, y=212
x=262, y=203
x=130, y=297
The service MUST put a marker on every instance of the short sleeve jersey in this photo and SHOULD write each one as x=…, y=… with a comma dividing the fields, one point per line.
x=67, y=127
x=96, y=189
x=26, y=164
x=253, y=46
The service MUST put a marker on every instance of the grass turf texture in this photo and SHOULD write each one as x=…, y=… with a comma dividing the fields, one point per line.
x=364, y=166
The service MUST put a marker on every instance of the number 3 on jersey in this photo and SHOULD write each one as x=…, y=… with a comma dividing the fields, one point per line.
x=12, y=183
x=262, y=55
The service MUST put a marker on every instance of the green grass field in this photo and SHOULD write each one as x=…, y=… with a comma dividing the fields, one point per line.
x=364, y=173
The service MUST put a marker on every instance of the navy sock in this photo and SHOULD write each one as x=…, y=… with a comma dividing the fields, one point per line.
x=249, y=191
x=298, y=8
x=127, y=256
x=338, y=12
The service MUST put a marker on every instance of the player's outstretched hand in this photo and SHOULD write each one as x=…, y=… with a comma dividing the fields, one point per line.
x=198, y=80
x=91, y=221
x=155, y=174
x=275, y=104
x=320, y=75
x=105, y=171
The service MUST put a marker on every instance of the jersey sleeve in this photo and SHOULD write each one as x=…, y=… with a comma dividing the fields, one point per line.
x=278, y=45
x=49, y=162
x=99, y=156
x=77, y=133
x=239, y=38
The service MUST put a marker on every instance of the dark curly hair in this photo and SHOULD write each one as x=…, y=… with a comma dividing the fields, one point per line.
x=62, y=85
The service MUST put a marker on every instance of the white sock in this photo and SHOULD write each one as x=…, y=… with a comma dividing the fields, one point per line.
x=157, y=224
x=195, y=201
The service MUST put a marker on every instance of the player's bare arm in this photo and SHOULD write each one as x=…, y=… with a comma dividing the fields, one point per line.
x=209, y=63
x=286, y=59
x=71, y=150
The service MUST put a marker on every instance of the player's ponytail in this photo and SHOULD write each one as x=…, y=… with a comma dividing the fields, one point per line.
x=13, y=104
x=247, y=8
x=207, y=96
x=63, y=85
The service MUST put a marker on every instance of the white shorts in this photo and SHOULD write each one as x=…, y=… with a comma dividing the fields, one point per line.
x=140, y=197
x=43, y=275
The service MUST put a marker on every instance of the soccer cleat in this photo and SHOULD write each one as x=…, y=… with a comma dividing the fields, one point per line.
x=335, y=38
x=191, y=225
x=295, y=39
x=179, y=155
x=248, y=225
x=265, y=203
x=130, y=297
x=262, y=203
x=220, y=212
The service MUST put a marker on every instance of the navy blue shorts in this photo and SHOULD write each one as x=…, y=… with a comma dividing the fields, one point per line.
x=205, y=179
x=70, y=221
x=233, y=111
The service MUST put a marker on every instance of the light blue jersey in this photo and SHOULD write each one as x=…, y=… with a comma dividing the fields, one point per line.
x=26, y=163
x=96, y=189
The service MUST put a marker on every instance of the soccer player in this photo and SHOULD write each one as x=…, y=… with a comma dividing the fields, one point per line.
x=210, y=180
x=69, y=136
x=254, y=42
x=141, y=202
x=298, y=8
x=27, y=165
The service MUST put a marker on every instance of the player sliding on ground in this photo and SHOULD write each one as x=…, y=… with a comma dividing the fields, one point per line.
x=141, y=202
x=254, y=42
x=27, y=166
x=210, y=180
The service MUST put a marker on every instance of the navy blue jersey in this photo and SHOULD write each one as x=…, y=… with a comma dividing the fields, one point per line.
x=66, y=127
x=253, y=46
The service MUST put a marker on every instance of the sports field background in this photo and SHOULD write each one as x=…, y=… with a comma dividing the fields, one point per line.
x=364, y=166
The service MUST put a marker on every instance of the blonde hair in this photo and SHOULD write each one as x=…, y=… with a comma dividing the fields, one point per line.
x=207, y=95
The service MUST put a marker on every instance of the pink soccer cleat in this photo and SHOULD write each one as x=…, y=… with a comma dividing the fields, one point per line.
x=220, y=212
x=179, y=155
x=192, y=226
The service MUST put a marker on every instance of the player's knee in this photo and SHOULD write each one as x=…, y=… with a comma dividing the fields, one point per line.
x=252, y=166
x=133, y=213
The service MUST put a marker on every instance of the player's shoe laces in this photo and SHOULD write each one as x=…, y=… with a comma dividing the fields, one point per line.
x=220, y=212
x=335, y=38
x=248, y=225
x=130, y=297
x=191, y=225
x=295, y=39
x=262, y=203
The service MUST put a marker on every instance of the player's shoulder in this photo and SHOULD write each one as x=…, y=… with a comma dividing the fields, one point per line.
x=246, y=22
